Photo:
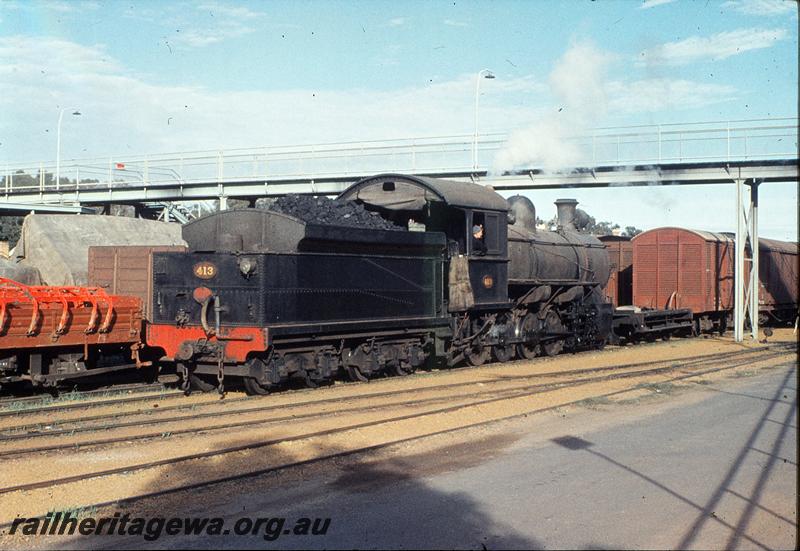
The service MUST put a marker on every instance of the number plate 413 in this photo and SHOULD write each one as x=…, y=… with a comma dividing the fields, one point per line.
x=205, y=270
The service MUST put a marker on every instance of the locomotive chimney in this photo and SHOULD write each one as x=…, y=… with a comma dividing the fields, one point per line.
x=566, y=213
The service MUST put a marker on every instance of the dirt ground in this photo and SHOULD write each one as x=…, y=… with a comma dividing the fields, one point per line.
x=394, y=417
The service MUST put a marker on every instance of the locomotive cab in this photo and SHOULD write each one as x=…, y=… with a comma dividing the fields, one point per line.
x=478, y=265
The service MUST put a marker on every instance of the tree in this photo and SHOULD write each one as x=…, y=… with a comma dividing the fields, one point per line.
x=588, y=224
x=10, y=229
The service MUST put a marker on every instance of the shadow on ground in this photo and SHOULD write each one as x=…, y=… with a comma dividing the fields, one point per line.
x=371, y=503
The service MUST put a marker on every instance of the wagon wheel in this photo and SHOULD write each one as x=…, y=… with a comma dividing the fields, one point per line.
x=504, y=353
x=528, y=351
x=254, y=388
x=477, y=354
x=552, y=324
x=149, y=374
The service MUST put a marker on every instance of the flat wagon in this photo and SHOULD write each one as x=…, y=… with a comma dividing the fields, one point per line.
x=51, y=334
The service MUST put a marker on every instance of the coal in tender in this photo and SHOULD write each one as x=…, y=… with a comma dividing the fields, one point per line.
x=322, y=210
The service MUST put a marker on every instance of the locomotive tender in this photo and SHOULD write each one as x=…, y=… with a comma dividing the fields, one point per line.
x=268, y=297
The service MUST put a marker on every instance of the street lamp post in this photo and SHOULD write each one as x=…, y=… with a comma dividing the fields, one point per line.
x=485, y=73
x=58, y=144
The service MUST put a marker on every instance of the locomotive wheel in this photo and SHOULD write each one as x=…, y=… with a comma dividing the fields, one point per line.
x=526, y=351
x=552, y=324
x=254, y=388
x=477, y=355
x=600, y=345
x=504, y=353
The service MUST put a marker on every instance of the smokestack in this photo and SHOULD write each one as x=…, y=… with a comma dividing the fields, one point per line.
x=566, y=213
x=524, y=212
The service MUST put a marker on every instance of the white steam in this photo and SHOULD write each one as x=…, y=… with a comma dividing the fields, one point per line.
x=577, y=84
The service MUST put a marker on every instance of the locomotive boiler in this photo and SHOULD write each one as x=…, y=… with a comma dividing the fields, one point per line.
x=564, y=255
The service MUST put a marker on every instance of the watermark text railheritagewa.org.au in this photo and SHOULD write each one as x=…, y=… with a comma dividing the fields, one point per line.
x=153, y=528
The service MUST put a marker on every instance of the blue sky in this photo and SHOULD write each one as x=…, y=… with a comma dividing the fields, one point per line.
x=154, y=77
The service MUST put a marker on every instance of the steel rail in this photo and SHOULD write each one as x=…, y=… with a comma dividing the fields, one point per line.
x=89, y=404
x=76, y=395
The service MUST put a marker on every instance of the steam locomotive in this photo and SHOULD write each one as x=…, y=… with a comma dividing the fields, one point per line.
x=269, y=297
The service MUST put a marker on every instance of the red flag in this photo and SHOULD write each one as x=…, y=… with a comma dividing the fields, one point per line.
x=120, y=166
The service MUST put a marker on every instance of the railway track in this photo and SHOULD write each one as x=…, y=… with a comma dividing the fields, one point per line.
x=416, y=402
x=119, y=394
x=12, y=406
x=686, y=370
x=72, y=395
x=70, y=427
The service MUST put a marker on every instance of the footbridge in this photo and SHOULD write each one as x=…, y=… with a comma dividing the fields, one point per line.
x=671, y=154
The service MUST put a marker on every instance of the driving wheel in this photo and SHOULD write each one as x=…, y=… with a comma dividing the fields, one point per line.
x=528, y=350
x=477, y=355
x=552, y=324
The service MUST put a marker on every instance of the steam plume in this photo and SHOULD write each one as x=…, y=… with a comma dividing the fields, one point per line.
x=577, y=84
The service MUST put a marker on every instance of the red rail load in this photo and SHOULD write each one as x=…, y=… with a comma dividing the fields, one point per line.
x=54, y=333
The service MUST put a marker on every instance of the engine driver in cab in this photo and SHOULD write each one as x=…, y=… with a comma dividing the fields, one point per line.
x=478, y=245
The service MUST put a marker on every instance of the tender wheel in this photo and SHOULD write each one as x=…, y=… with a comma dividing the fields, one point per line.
x=528, y=351
x=402, y=370
x=552, y=324
x=254, y=388
x=477, y=355
x=503, y=353
x=355, y=375
x=202, y=383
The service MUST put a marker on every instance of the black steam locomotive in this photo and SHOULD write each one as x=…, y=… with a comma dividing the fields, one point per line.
x=269, y=297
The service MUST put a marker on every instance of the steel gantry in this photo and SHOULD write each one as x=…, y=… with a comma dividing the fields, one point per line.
x=746, y=292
